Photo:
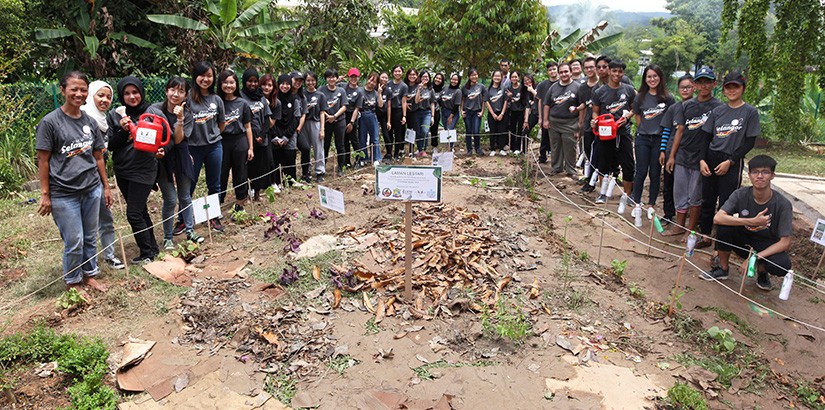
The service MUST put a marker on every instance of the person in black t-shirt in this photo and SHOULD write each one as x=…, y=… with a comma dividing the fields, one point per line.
x=757, y=217
x=541, y=92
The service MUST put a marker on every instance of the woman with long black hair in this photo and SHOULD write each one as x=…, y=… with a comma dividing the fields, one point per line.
x=451, y=104
x=135, y=170
x=411, y=117
x=237, y=139
x=472, y=107
x=369, y=100
x=396, y=92
x=438, y=90
x=70, y=166
x=205, y=141
x=650, y=105
x=384, y=113
x=496, y=103
x=516, y=101
x=253, y=94
x=175, y=171
x=284, y=135
x=531, y=112
x=313, y=131
x=424, y=111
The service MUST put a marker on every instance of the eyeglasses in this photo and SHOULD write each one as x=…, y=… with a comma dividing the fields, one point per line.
x=687, y=87
x=762, y=172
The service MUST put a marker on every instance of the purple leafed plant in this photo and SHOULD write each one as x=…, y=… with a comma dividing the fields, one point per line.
x=317, y=214
x=292, y=244
x=342, y=280
x=289, y=276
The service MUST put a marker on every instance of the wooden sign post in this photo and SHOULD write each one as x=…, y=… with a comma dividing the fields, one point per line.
x=676, y=286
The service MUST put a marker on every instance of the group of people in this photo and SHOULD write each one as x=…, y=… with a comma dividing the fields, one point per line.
x=254, y=127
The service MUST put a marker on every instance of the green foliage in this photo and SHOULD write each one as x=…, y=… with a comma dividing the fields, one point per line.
x=725, y=371
x=683, y=396
x=186, y=250
x=382, y=59
x=281, y=386
x=618, y=267
x=703, y=18
x=342, y=362
x=507, y=29
x=82, y=359
x=678, y=48
x=577, y=43
x=636, y=291
x=423, y=371
x=372, y=328
x=507, y=320
x=725, y=343
x=584, y=256
x=810, y=396
x=70, y=299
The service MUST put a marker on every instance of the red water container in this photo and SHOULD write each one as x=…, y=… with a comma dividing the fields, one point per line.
x=606, y=127
x=149, y=133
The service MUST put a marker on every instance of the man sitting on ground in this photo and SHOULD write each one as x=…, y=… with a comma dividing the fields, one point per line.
x=763, y=223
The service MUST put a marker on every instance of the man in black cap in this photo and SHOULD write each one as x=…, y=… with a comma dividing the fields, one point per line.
x=732, y=129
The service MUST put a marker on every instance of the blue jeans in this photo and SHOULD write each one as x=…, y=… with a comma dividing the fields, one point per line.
x=211, y=157
x=448, y=125
x=106, y=229
x=368, y=126
x=423, y=119
x=647, y=164
x=472, y=126
x=171, y=197
x=76, y=218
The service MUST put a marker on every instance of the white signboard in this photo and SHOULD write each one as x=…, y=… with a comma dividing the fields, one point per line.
x=410, y=136
x=447, y=136
x=443, y=160
x=818, y=235
x=206, y=208
x=331, y=199
x=408, y=183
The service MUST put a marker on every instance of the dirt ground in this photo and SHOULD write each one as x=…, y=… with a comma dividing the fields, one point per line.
x=598, y=337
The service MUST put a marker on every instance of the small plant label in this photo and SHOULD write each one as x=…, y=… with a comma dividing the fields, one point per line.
x=443, y=160
x=818, y=235
x=206, y=208
x=331, y=199
x=447, y=136
x=410, y=136
x=408, y=183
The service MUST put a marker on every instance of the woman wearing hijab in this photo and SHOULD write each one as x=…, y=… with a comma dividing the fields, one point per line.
x=438, y=90
x=261, y=121
x=451, y=104
x=284, y=136
x=97, y=104
x=70, y=165
x=135, y=170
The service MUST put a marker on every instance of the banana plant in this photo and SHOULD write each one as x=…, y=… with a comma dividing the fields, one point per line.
x=575, y=44
x=233, y=28
x=86, y=19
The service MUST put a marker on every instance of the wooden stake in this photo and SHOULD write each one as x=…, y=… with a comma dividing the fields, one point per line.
x=120, y=235
x=744, y=275
x=208, y=227
x=408, y=245
x=650, y=238
x=676, y=286
x=820, y=262
x=601, y=239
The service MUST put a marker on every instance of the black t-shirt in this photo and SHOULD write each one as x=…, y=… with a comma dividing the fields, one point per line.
x=260, y=114
x=651, y=111
x=779, y=208
x=352, y=98
x=669, y=122
x=586, y=95
x=730, y=127
x=474, y=97
x=71, y=141
x=315, y=102
x=396, y=92
x=542, y=88
x=335, y=99
x=238, y=114
x=425, y=98
x=693, y=116
x=450, y=100
x=496, y=97
x=561, y=97
x=410, y=96
x=518, y=102
x=615, y=101
x=367, y=101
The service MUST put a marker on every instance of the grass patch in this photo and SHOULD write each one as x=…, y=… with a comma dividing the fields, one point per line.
x=741, y=325
x=793, y=159
x=282, y=387
x=82, y=359
x=423, y=371
x=725, y=371
x=372, y=328
x=506, y=320
x=685, y=397
x=305, y=266
x=342, y=362
x=809, y=396
x=577, y=300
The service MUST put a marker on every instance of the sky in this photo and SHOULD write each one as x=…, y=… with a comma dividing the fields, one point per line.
x=626, y=5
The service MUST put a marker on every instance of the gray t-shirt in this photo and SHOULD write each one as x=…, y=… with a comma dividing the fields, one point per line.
x=693, y=115
x=730, y=127
x=335, y=99
x=315, y=102
x=260, y=115
x=615, y=101
x=71, y=141
x=474, y=96
x=779, y=208
x=237, y=116
x=207, y=114
x=651, y=112
x=397, y=92
x=561, y=97
x=352, y=98
x=496, y=97
x=426, y=98
x=367, y=100
x=517, y=101
x=450, y=101
x=586, y=96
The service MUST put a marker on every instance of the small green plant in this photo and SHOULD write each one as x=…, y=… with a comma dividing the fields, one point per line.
x=507, y=320
x=71, y=299
x=186, y=250
x=584, y=256
x=564, y=275
x=676, y=295
x=725, y=371
x=342, y=362
x=270, y=193
x=282, y=387
x=685, y=397
x=372, y=328
x=636, y=291
x=241, y=217
x=478, y=183
x=725, y=343
x=810, y=396
x=567, y=220
x=577, y=300
x=618, y=267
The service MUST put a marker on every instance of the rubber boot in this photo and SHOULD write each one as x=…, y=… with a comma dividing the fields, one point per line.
x=677, y=229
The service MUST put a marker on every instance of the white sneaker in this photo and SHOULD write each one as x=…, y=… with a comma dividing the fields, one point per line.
x=516, y=152
x=492, y=153
x=503, y=153
x=276, y=188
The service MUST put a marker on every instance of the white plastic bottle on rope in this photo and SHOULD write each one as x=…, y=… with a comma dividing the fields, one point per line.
x=622, y=204
x=594, y=178
x=787, y=283
x=637, y=213
x=605, y=183
x=691, y=244
x=611, y=187
x=582, y=157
